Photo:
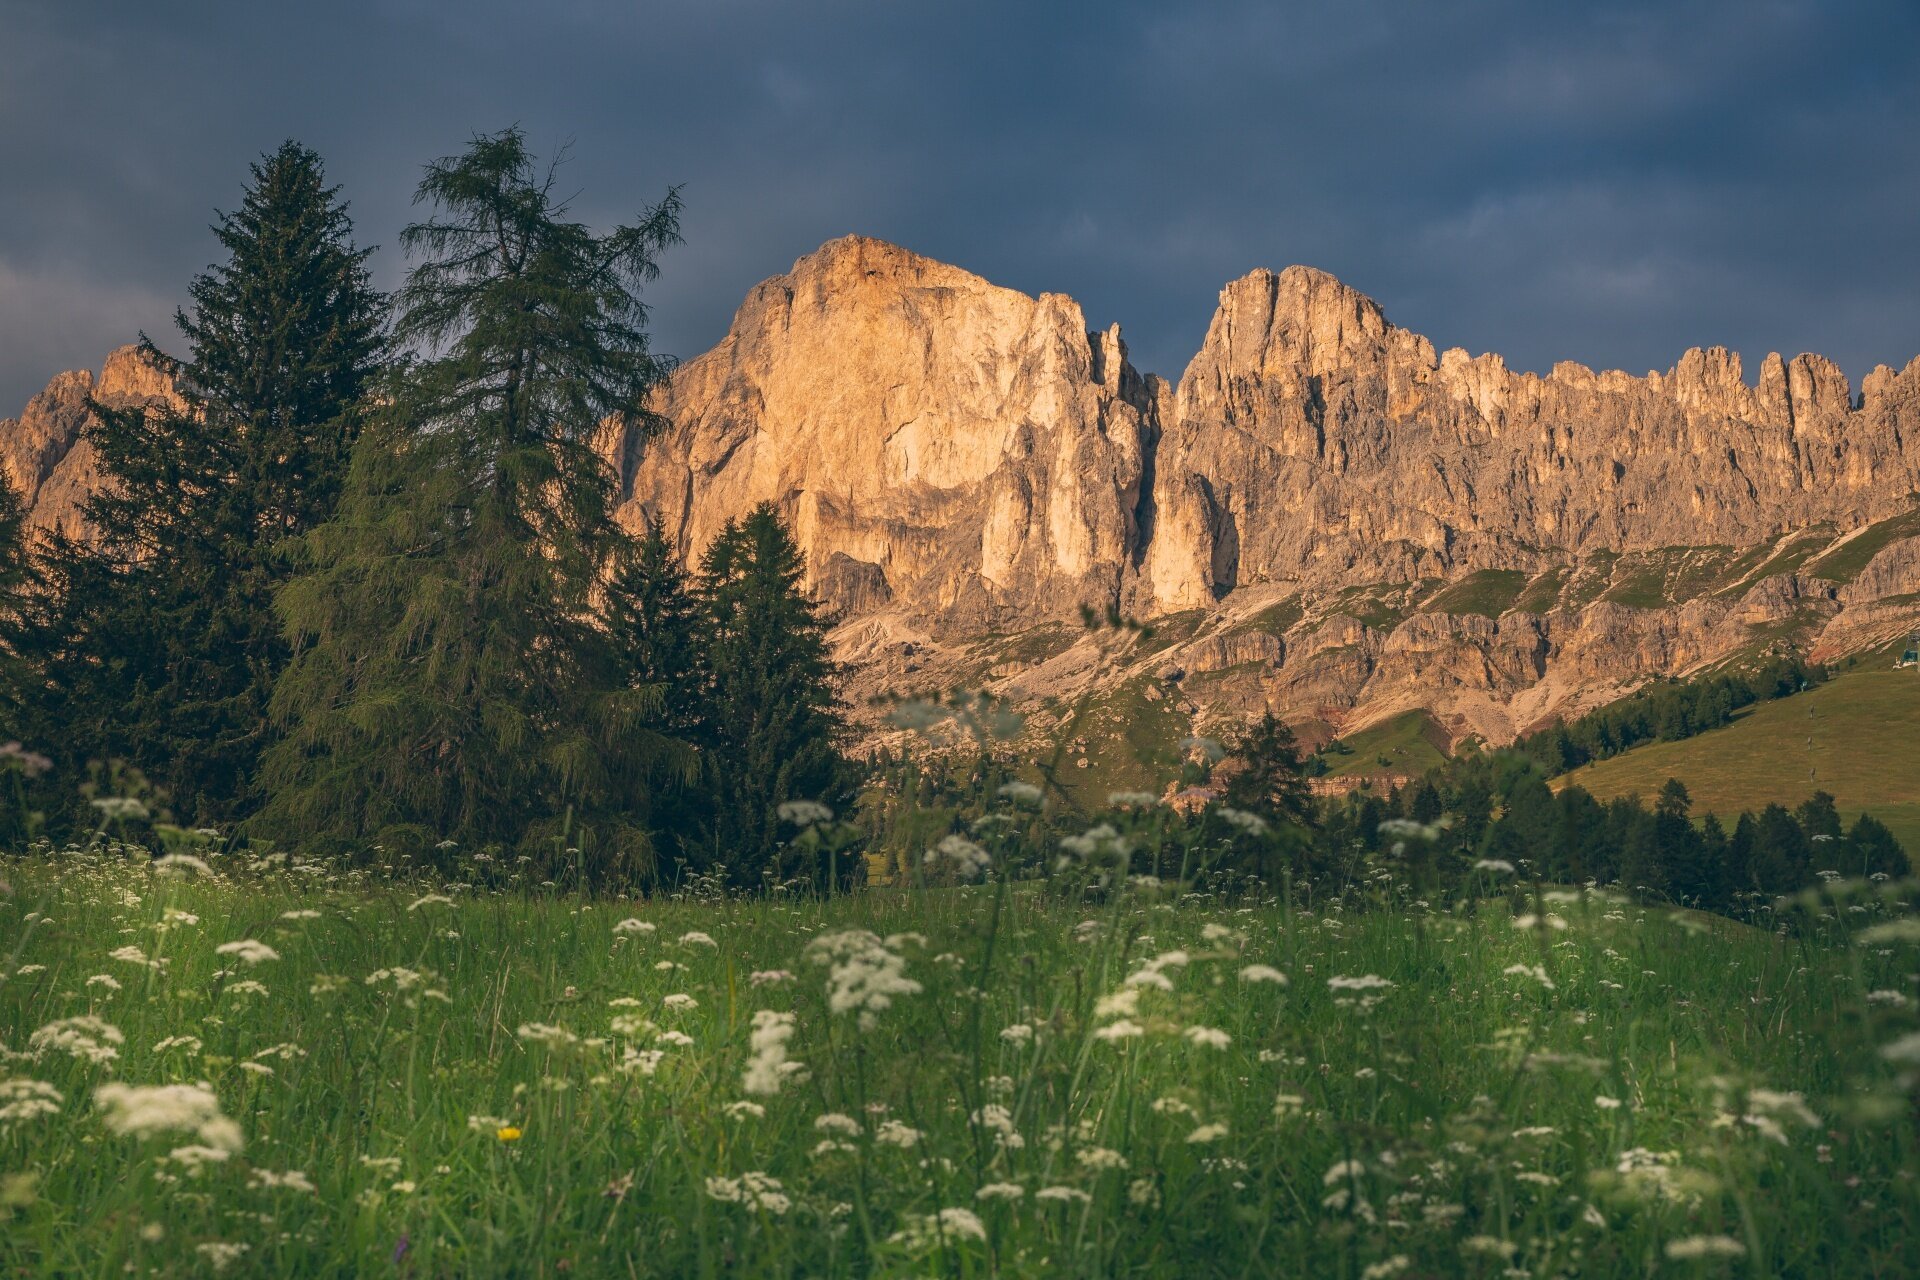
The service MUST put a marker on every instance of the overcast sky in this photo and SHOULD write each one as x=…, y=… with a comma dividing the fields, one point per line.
x=1611, y=187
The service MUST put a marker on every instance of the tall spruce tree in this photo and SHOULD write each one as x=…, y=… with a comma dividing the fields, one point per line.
x=659, y=631
x=775, y=714
x=453, y=679
x=14, y=571
x=154, y=639
x=1271, y=779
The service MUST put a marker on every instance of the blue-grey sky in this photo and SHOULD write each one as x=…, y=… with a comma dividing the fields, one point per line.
x=1610, y=183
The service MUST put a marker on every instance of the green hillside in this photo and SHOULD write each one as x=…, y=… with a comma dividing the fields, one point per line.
x=1858, y=737
x=1410, y=743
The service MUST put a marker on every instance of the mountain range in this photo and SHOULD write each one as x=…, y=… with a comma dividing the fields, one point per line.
x=1324, y=515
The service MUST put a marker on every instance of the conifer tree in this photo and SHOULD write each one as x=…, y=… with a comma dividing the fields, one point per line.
x=1782, y=854
x=13, y=581
x=1271, y=780
x=155, y=638
x=453, y=680
x=1872, y=850
x=776, y=714
x=659, y=632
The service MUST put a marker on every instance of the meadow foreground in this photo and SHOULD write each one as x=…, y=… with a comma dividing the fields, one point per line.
x=278, y=1072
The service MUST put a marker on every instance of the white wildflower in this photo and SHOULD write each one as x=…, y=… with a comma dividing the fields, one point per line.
x=1020, y=793
x=998, y=1121
x=141, y=1111
x=968, y=860
x=754, y=1190
x=1537, y=972
x=766, y=1068
x=22, y=1099
x=863, y=974
x=247, y=951
x=892, y=1133
x=1251, y=823
x=835, y=1122
x=928, y=1230
x=1705, y=1247
x=805, y=813
x=221, y=1254
x=1263, y=973
x=84, y=1036
x=291, y=1180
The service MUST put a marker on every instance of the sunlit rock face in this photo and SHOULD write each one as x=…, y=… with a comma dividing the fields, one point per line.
x=962, y=452
x=42, y=452
x=1328, y=517
x=1310, y=437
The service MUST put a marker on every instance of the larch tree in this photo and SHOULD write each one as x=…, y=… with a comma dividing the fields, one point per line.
x=453, y=678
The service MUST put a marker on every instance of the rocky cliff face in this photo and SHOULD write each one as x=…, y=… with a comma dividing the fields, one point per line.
x=961, y=453
x=42, y=454
x=1325, y=516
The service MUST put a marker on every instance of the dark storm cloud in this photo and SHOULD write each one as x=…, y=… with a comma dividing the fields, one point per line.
x=1607, y=183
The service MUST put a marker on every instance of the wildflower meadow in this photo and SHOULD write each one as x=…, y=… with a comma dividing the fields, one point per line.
x=224, y=1064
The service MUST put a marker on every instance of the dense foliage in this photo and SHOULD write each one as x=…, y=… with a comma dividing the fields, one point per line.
x=360, y=589
x=1667, y=711
x=151, y=639
x=452, y=680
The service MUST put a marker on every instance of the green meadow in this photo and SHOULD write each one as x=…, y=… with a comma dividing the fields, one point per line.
x=287, y=1070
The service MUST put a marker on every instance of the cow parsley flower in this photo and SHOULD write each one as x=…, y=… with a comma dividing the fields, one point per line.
x=864, y=974
x=928, y=1230
x=968, y=860
x=247, y=951
x=754, y=1190
x=22, y=1099
x=141, y=1111
x=805, y=813
x=1208, y=1037
x=84, y=1036
x=1689, y=1247
x=768, y=1066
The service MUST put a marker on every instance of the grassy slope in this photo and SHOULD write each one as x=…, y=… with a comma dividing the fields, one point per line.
x=1411, y=742
x=1865, y=751
x=610, y=1172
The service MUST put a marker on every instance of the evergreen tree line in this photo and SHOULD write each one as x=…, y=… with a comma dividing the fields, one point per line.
x=360, y=587
x=1666, y=712
x=1500, y=810
x=1483, y=819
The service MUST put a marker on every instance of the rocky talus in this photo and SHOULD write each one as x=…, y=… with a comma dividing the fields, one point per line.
x=1324, y=516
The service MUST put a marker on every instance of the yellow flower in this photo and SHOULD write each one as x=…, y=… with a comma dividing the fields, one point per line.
x=507, y=1133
